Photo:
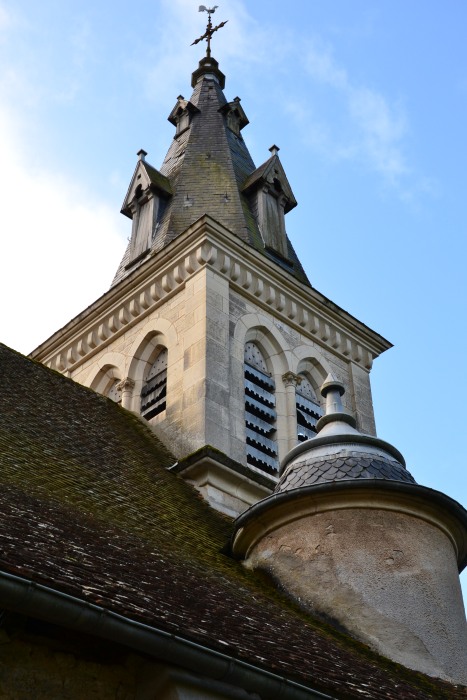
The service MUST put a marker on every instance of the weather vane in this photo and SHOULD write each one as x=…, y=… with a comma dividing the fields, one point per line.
x=210, y=29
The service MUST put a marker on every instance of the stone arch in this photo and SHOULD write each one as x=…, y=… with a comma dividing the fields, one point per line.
x=317, y=366
x=259, y=329
x=155, y=332
x=155, y=336
x=145, y=355
x=313, y=369
x=260, y=410
x=106, y=382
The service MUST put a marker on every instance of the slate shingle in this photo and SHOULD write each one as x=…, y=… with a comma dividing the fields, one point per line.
x=344, y=465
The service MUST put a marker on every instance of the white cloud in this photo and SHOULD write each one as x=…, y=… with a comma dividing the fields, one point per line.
x=59, y=245
x=377, y=128
x=382, y=129
x=5, y=18
x=319, y=63
x=241, y=39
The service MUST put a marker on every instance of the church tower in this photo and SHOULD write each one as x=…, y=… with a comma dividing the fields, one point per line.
x=213, y=334
x=211, y=330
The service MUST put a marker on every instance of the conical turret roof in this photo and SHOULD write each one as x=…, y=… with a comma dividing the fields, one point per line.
x=339, y=452
x=208, y=170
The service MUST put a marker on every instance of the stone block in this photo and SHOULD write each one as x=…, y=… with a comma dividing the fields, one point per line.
x=194, y=373
x=217, y=325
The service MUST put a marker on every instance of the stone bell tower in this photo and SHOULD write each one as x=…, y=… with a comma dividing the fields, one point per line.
x=211, y=330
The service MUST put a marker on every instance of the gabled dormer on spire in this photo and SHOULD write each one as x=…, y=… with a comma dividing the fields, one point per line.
x=235, y=116
x=182, y=114
x=271, y=197
x=144, y=204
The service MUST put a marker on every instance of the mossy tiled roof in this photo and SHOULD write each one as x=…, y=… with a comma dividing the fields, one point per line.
x=89, y=508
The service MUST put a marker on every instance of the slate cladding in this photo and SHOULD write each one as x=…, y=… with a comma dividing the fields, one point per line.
x=207, y=166
x=345, y=465
x=89, y=508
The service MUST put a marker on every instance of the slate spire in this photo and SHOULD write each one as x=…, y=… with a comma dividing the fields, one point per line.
x=208, y=170
x=208, y=160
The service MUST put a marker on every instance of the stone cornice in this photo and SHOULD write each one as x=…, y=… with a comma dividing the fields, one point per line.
x=207, y=244
x=210, y=454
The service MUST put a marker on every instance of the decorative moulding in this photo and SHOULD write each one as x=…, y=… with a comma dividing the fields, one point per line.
x=226, y=490
x=207, y=244
x=410, y=499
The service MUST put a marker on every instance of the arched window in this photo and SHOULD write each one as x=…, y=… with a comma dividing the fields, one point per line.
x=154, y=391
x=308, y=409
x=260, y=413
x=106, y=382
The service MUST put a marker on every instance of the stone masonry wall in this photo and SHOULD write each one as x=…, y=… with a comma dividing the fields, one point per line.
x=205, y=326
x=287, y=350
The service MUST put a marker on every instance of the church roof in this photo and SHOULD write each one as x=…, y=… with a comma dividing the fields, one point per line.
x=209, y=170
x=91, y=510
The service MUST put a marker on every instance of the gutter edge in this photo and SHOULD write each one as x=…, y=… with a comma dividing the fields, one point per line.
x=53, y=606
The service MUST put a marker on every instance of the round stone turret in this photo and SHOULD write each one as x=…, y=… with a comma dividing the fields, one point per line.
x=351, y=537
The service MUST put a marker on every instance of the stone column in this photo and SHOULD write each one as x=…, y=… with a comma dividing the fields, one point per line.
x=126, y=386
x=291, y=381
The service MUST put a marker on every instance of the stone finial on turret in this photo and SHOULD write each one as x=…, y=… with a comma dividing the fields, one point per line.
x=333, y=390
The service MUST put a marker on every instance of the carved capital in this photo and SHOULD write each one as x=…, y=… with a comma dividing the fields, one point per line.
x=291, y=379
x=126, y=385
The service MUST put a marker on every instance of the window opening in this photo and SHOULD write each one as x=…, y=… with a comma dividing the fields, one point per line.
x=308, y=408
x=154, y=392
x=139, y=192
x=260, y=413
x=114, y=392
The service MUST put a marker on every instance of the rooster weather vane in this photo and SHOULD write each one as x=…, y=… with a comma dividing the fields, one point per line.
x=210, y=29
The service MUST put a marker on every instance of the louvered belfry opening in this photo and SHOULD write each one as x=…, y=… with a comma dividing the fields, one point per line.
x=154, y=392
x=260, y=412
x=308, y=409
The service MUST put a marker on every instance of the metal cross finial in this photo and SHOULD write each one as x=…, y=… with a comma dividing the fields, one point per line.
x=210, y=29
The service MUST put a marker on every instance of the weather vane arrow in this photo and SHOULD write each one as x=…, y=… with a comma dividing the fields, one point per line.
x=210, y=29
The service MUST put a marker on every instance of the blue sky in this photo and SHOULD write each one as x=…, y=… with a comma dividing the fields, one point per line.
x=368, y=103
